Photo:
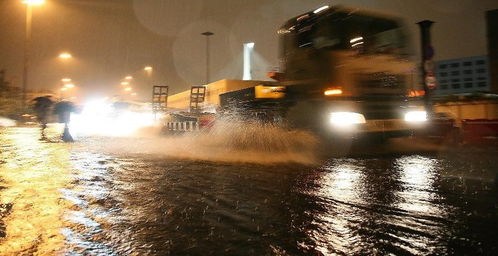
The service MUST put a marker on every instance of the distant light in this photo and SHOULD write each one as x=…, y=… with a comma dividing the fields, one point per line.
x=128, y=77
x=416, y=93
x=66, y=80
x=133, y=94
x=33, y=2
x=63, y=89
x=125, y=83
x=127, y=89
x=356, y=44
x=69, y=85
x=320, y=9
x=356, y=39
x=65, y=55
x=148, y=68
x=332, y=92
x=98, y=117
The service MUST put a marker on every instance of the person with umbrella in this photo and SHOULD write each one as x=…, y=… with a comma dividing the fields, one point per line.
x=42, y=106
x=63, y=110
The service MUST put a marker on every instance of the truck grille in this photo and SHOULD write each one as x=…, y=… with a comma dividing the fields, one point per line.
x=388, y=110
x=381, y=80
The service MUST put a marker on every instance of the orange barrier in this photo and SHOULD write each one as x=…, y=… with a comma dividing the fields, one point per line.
x=480, y=131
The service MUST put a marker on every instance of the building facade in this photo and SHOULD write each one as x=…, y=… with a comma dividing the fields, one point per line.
x=462, y=75
x=492, y=32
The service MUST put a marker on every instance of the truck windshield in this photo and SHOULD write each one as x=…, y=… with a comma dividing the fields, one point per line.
x=364, y=34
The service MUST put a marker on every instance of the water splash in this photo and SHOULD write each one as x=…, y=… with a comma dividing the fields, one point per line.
x=228, y=140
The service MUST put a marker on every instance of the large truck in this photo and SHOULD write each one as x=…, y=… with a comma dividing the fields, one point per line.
x=343, y=72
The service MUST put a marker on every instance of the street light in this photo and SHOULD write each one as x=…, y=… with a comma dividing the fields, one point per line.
x=27, y=45
x=69, y=86
x=33, y=2
x=66, y=80
x=148, y=68
x=207, y=34
x=125, y=83
x=128, y=77
x=65, y=55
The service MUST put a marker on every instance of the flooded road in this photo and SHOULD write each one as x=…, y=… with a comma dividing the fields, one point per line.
x=89, y=199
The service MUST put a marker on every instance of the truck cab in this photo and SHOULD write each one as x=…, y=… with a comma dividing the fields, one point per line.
x=348, y=70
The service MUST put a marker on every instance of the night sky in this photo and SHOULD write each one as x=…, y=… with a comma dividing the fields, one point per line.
x=112, y=38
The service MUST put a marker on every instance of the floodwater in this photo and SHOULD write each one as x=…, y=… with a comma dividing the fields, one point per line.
x=99, y=197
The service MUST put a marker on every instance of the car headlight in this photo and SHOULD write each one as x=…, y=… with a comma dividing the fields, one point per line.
x=346, y=118
x=416, y=116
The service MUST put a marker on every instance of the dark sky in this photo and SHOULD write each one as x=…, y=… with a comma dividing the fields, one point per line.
x=112, y=38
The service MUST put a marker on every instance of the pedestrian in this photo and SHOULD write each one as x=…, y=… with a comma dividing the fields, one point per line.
x=42, y=107
x=63, y=110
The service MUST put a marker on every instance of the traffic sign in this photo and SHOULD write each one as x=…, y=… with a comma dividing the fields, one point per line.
x=430, y=81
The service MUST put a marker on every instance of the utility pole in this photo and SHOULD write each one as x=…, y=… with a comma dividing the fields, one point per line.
x=27, y=52
x=207, y=34
x=427, y=51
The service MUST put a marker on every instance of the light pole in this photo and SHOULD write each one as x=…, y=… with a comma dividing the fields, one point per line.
x=207, y=34
x=27, y=46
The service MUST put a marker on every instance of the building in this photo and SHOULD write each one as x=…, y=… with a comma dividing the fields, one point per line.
x=462, y=75
x=492, y=32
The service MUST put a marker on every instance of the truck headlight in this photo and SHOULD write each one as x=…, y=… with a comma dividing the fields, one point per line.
x=416, y=116
x=346, y=118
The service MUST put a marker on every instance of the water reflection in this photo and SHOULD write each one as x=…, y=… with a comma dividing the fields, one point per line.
x=341, y=188
x=92, y=215
x=32, y=173
x=60, y=199
x=418, y=177
x=422, y=215
x=380, y=206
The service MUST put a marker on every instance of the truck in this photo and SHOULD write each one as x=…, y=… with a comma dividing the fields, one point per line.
x=343, y=73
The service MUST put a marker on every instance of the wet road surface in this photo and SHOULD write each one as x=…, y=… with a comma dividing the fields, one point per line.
x=85, y=199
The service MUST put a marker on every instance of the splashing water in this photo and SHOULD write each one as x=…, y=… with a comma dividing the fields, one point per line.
x=227, y=141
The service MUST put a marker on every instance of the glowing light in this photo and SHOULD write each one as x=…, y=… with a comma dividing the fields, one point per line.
x=248, y=50
x=356, y=44
x=63, y=89
x=66, y=80
x=133, y=94
x=416, y=116
x=65, y=55
x=356, y=39
x=98, y=117
x=128, y=77
x=332, y=92
x=5, y=122
x=128, y=89
x=148, y=68
x=125, y=83
x=416, y=93
x=320, y=9
x=346, y=118
x=69, y=85
x=33, y=2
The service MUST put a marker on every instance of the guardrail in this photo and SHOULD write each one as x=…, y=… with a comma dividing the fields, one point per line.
x=187, y=126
